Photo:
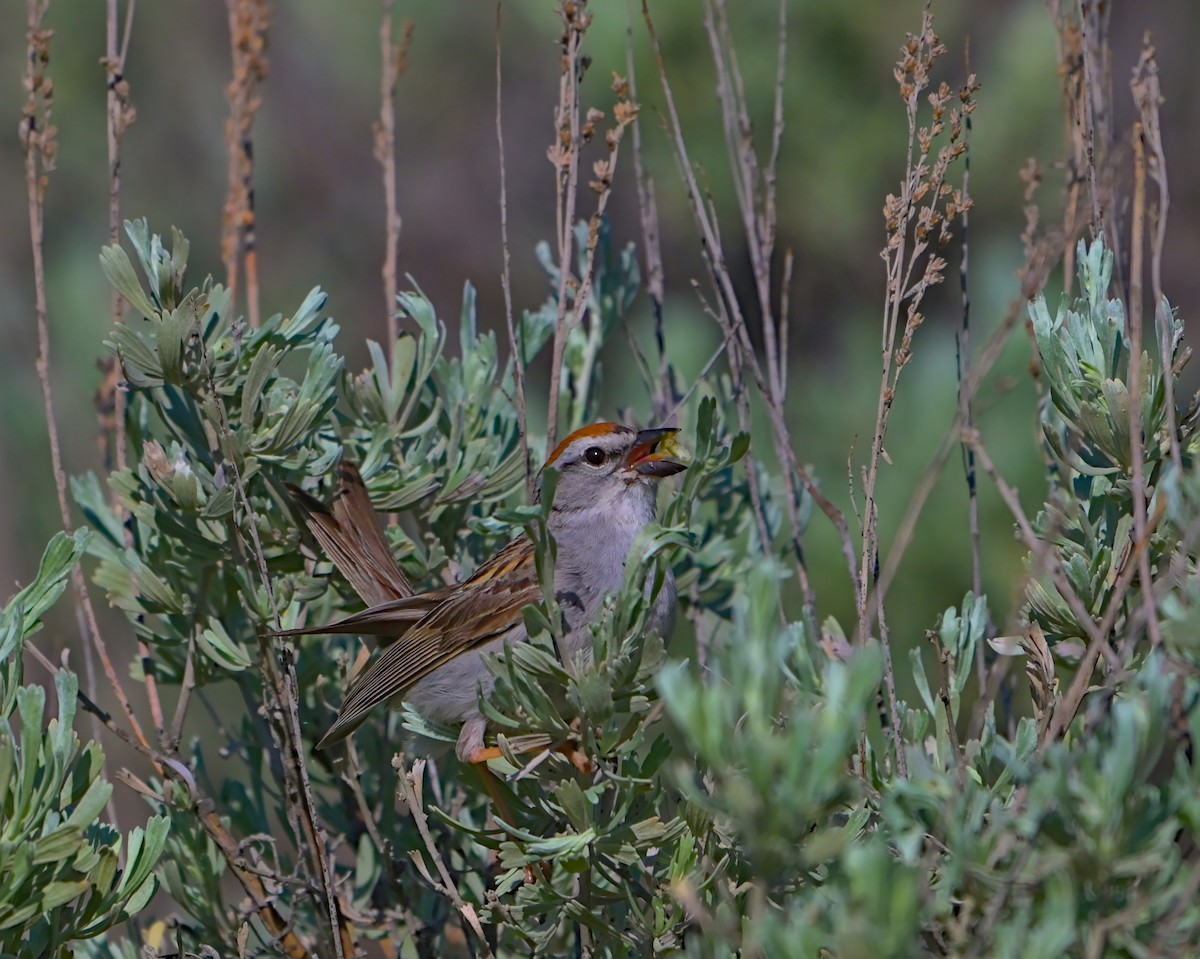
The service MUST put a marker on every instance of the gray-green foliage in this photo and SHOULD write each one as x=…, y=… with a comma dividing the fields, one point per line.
x=743, y=797
x=1085, y=364
x=61, y=875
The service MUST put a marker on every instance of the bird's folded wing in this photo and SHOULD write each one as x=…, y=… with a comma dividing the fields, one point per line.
x=484, y=608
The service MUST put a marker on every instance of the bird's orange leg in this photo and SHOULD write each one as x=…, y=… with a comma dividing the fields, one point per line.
x=579, y=759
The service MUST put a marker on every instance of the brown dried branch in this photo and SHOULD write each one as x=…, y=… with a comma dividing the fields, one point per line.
x=661, y=386
x=944, y=695
x=927, y=222
x=394, y=63
x=1069, y=40
x=918, y=222
x=249, y=21
x=564, y=157
x=1147, y=95
x=963, y=373
x=756, y=193
x=1136, y=442
x=624, y=113
x=1042, y=549
x=39, y=144
x=1068, y=706
x=411, y=788
x=110, y=398
x=172, y=738
x=732, y=320
x=755, y=189
x=1098, y=123
x=1042, y=256
x=1098, y=632
x=514, y=346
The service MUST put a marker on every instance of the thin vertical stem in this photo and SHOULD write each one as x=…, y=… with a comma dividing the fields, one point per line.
x=514, y=345
x=662, y=390
x=249, y=21
x=565, y=156
x=394, y=61
x=1148, y=96
x=37, y=136
x=965, y=397
x=119, y=114
x=733, y=324
x=1136, y=448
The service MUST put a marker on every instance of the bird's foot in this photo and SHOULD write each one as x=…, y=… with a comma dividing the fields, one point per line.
x=579, y=759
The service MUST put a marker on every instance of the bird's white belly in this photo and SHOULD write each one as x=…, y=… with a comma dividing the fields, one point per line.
x=450, y=694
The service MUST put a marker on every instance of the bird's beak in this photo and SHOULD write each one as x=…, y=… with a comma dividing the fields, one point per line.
x=656, y=454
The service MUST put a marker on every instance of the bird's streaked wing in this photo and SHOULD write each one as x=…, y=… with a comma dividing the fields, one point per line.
x=483, y=608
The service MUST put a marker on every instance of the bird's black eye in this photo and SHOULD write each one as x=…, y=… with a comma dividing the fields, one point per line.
x=594, y=455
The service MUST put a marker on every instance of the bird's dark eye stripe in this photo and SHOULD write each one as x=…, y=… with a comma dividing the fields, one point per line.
x=594, y=455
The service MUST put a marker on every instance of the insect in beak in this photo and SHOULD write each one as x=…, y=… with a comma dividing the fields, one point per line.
x=656, y=454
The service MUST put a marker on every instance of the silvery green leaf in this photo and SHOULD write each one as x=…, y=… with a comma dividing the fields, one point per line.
x=221, y=648
x=119, y=270
x=922, y=682
x=308, y=313
x=60, y=556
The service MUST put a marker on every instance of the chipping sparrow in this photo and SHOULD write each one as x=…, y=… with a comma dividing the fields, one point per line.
x=433, y=642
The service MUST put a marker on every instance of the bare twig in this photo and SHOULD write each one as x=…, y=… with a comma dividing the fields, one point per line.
x=394, y=54
x=965, y=400
x=756, y=192
x=564, y=155
x=964, y=364
x=1042, y=256
x=624, y=113
x=1098, y=632
x=514, y=345
x=119, y=115
x=1068, y=705
x=1148, y=96
x=38, y=142
x=785, y=302
x=758, y=215
x=1136, y=442
x=732, y=320
x=944, y=686
x=698, y=378
x=661, y=389
x=411, y=787
x=1096, y=102
x=928, y=224
x=172, y=738
x=925, y=208
x=1040, y=548
x=249, y=21
x=1069, y=40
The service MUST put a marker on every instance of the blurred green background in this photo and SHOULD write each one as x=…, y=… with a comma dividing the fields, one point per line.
x=320, y=213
